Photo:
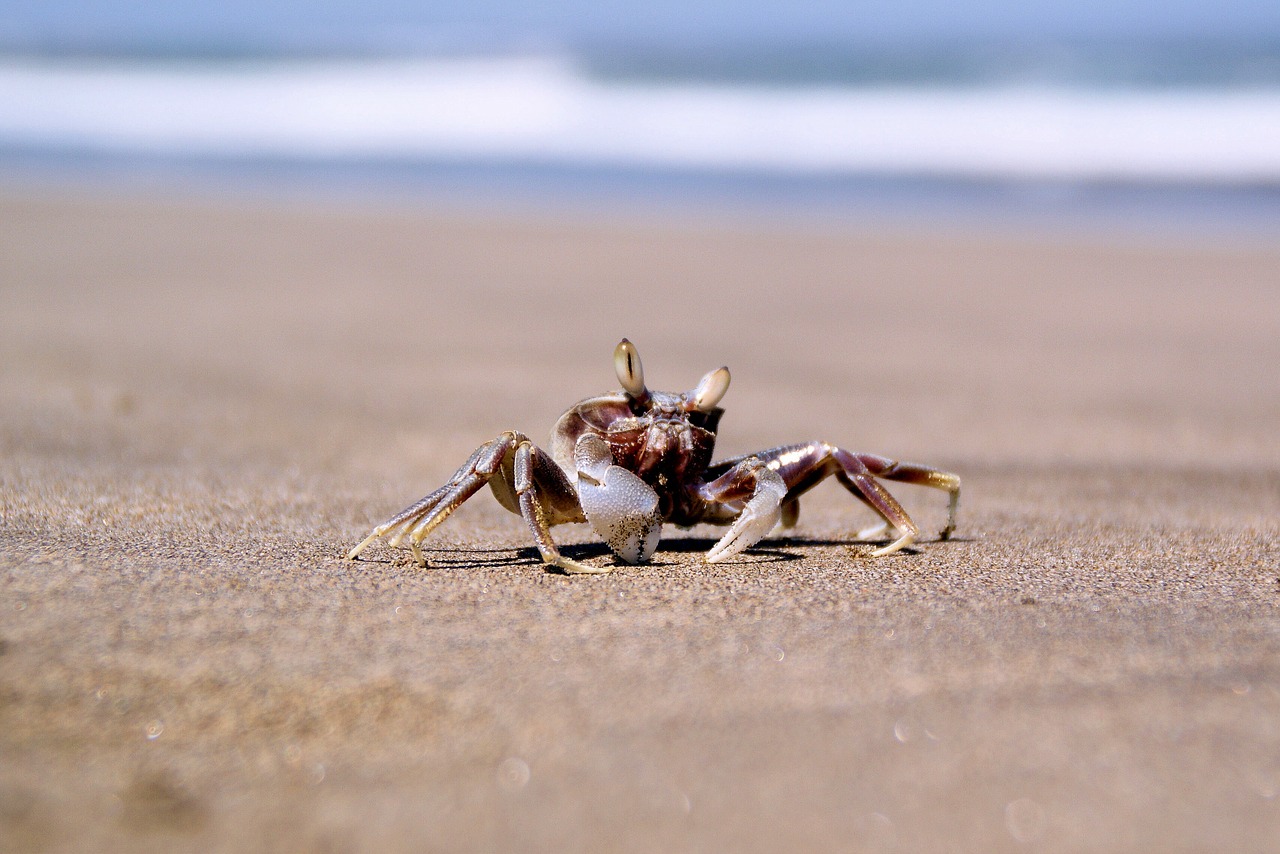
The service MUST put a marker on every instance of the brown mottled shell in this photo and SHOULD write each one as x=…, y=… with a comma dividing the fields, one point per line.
x=668, y=449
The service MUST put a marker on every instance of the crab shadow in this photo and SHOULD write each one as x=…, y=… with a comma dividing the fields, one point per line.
x=778, y=550
x=455, y=557
x=681, y=545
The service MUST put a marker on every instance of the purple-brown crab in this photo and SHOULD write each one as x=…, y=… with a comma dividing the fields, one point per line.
x=628, y=461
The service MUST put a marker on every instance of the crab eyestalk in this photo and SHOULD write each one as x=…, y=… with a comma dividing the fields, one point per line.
x=709, y=391
x=626, y=361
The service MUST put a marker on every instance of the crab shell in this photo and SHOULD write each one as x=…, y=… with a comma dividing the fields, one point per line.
x=632, y=454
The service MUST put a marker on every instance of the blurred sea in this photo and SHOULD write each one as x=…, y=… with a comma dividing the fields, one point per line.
x=1166, y=131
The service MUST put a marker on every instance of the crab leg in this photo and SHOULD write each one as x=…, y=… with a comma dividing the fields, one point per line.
x=888, y=469
x=857, y=478
x=541, y=485
x=418, y=519
x=804, y=466
x=523, y=478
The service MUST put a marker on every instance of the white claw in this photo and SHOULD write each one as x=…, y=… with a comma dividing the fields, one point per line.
x=621, y=507
x=758, y=518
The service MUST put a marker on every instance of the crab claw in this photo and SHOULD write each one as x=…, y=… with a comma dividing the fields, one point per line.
x=621, y=507
x=760, y=515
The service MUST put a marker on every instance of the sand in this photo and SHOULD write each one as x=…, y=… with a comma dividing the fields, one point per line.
x=205, y=402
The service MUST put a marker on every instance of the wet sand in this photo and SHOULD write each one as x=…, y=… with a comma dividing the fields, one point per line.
x=206, y=402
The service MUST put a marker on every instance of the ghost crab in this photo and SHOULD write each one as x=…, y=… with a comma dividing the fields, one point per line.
x=628, y=461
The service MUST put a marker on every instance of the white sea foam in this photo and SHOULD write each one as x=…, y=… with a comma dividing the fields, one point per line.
x=545, y=110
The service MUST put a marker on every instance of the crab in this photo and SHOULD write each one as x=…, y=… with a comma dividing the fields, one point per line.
x=629, y=461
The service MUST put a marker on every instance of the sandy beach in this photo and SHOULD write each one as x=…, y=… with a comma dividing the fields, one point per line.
x=204, y=402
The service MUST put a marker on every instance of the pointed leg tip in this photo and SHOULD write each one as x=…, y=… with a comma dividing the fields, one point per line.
x=896, y=545
x=573, y=567
x=362, y=545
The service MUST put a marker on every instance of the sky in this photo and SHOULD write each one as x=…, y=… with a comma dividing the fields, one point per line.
x=55, y=22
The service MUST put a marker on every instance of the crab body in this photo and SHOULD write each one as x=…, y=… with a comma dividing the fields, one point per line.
x=631, y=460
x=666, y=447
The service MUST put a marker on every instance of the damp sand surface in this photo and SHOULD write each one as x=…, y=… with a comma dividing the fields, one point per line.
x=205, y=402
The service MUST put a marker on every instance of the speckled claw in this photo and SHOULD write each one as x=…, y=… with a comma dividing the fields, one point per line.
x=621, y=507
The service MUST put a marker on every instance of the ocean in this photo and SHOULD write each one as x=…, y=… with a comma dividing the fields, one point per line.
x=1166, y=131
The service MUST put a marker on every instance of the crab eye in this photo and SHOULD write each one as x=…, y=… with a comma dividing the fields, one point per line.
x=626, y=361
x=710, y=390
